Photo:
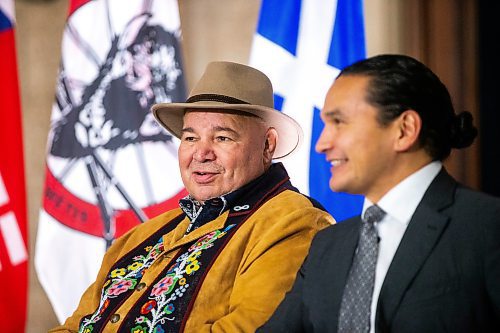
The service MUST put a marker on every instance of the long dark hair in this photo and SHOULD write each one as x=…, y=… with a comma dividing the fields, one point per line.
x=399, y=83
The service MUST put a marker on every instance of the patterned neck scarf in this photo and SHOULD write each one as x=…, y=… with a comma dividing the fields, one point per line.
x=201, y=213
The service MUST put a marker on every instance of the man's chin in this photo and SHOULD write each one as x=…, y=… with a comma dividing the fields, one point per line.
x=336, y=186
x=202, y=197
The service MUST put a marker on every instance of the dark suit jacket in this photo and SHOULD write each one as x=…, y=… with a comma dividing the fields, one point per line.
x=444, y=277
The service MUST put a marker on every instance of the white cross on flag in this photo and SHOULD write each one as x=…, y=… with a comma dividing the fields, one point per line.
x=302, y=45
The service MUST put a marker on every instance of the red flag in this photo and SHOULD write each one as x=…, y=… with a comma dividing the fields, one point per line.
x=109, y=165
x=13, y=226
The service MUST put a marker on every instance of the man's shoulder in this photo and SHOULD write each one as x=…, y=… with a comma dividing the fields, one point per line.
x=338, y=230
x=459, y=202
x=298, y=199
x=477, y=209
x=293, y=202
x=466, y=194
x=291, y=209
x=461, y=196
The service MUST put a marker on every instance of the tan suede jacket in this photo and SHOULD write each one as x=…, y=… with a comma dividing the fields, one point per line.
x=248, y=279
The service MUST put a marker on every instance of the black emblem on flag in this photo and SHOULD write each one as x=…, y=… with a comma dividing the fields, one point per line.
x=142, y=67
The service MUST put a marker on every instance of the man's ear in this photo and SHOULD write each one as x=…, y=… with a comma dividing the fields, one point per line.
x=409, y=125
x=270, y=144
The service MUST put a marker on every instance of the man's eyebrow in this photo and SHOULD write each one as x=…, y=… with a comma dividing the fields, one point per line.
x=187, y=130
x=331, y=113
x=225, y=129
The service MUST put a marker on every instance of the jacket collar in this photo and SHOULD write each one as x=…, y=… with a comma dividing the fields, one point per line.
x=243, y=201
x=424, y=230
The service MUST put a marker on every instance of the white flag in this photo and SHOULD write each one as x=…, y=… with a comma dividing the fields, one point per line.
x=109, y=165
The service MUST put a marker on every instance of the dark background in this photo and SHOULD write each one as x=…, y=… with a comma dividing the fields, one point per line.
x=489, y=95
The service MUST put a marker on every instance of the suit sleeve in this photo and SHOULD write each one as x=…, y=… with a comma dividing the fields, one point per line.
x=492, y=263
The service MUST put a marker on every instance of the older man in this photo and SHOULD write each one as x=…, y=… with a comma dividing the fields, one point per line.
x=223, y=260
x=425, y=257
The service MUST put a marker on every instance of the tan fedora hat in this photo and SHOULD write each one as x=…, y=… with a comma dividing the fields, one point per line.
x=232, y=86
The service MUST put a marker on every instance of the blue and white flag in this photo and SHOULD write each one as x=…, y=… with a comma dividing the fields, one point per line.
x=302, y=46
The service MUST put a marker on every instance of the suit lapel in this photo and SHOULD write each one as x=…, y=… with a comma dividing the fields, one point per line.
x=423, y=232
x=338, y=252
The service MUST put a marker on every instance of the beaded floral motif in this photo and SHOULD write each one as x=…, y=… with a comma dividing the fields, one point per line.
x=160, y=305
x=121, y=280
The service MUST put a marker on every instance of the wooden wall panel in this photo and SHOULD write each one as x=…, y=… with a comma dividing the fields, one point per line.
x=443, y=35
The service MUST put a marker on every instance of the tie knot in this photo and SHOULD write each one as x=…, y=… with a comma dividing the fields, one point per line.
x=373, y=214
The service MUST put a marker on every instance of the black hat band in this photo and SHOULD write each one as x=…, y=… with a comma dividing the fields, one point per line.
x=215, y=98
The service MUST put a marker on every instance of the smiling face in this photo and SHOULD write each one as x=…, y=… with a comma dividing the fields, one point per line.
x=360, y=150
x=220, y=152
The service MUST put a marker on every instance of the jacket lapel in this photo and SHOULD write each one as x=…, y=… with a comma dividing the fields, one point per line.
x=176, y=238
x=424, y=230
x=340, y=254
x=251, y=197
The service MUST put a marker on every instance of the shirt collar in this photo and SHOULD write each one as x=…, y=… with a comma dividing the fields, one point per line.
x=402, y=200
x=200, y=214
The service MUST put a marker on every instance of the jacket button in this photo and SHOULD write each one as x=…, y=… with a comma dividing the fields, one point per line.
x=115, y=318
x=140, y=286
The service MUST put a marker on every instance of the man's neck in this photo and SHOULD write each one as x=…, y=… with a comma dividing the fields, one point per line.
x=404, y=166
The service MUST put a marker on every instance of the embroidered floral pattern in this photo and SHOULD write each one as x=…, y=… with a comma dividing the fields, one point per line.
x=121, y=280
x=165, y=285
x=160, y=308
x=169, y=308
x=148, y=306
x=135, y=266
x=138, y=329
x=88, y=329
x=119, y=272
x=120, y=286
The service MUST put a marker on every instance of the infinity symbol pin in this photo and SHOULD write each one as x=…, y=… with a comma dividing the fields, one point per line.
x=238, y=208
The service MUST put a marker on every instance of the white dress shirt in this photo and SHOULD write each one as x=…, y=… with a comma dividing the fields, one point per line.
x=399, y=203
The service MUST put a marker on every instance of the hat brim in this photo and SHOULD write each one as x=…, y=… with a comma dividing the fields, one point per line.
x=290, y=135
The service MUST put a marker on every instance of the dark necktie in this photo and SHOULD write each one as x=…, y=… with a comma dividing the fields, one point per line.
x=354, y=315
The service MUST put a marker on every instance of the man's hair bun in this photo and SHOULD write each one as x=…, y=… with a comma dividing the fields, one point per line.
x=463, y=131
